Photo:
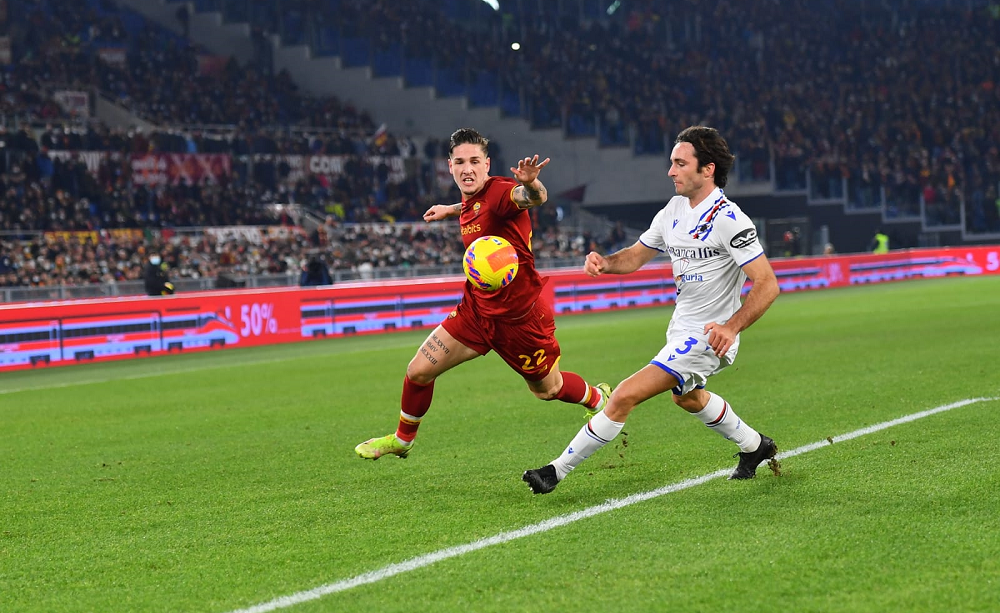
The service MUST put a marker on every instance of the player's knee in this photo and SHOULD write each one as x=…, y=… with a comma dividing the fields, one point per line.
x=621, y=403
x=418, y=373
x=546, y=389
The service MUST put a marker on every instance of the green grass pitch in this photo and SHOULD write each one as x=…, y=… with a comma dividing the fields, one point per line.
x=218, y=481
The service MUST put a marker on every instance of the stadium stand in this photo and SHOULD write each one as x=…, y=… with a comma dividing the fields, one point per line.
x=874, y=118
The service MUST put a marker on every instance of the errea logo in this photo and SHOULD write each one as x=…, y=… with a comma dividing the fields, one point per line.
x=744, y=238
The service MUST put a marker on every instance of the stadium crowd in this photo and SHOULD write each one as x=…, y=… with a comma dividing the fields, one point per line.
x=81, y=258
x=873, y=100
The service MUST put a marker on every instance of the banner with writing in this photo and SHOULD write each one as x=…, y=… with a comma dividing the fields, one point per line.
x=180, y=168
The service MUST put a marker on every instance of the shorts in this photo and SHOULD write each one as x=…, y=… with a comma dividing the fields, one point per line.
x=528, y=344
x=688, y=356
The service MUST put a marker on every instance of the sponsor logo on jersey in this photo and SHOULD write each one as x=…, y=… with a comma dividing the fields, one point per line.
x=699, y=253
x=471, y=228
x=681, y=275
x=744, y=238
x=686, y=278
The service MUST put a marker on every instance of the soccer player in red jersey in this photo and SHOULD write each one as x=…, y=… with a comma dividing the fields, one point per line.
x=516, y=321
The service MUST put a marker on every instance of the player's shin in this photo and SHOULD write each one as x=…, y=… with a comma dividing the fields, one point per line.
x=597, y=433
x=576, y=390
x=720, y=416
x=415, y=402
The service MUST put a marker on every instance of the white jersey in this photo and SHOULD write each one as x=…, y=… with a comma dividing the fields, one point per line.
x=708, y=245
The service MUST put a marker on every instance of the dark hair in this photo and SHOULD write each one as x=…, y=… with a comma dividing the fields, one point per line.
x=709, y=148
x=468, y=136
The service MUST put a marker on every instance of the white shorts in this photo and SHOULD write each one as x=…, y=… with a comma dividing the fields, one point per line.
x=688, y=357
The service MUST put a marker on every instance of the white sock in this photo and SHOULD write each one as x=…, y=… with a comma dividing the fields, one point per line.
x=720, y=416
x=597, y=433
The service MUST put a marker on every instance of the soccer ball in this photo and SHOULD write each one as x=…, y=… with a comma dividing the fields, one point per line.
x=490, y=263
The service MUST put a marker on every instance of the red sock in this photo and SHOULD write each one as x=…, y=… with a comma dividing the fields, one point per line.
x=577, y=391
x=413, y=406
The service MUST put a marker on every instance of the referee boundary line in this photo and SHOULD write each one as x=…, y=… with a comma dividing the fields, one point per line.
x=434, y=557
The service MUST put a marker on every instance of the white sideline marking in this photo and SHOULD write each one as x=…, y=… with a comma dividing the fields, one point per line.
x=392, y=570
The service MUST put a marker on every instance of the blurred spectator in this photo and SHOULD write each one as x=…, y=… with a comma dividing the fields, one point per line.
x=315, y=272
x=155, y=278
x=880, y=242
x=791, y=242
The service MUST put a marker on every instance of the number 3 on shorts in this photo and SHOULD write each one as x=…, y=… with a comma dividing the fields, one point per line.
x=688, y=344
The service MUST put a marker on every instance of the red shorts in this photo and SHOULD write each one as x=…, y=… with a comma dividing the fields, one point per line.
x=528, y=344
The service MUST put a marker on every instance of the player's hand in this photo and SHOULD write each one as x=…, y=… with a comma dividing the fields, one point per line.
x=527, y=169
x=594, y=264
x=438, y=212
x=721, y=337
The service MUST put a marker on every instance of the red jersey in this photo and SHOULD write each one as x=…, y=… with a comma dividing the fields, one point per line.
x=492, y=212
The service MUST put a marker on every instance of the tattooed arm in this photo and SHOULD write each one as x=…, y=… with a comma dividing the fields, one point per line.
x=531, y=192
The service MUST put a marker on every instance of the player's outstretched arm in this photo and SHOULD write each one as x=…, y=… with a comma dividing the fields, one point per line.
x=442, y=211
x=629, y=259
x=531, y=192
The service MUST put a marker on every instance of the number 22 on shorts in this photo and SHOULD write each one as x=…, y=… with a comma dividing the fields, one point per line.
x=538, y=357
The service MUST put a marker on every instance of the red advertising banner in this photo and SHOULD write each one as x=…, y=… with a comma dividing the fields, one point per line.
x=180, y=168
x=37, y=335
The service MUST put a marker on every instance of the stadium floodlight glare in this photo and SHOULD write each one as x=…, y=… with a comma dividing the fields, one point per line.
x=494, y=4
x=515, y=46
x=614, y=7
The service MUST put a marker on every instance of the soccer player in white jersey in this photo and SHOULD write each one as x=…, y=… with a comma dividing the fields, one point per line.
x=713, y=250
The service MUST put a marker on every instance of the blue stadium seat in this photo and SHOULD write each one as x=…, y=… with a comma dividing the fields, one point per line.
x=581, y=124
x=483, y=90
x=510, y=103
x=355, y=52
x=418, y=72
x=388, y=62
x=325, y=41
x=448, y=82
